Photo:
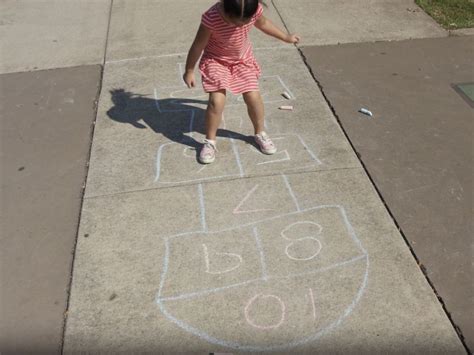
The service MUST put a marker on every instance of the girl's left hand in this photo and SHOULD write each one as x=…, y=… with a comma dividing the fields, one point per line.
x=292, y=38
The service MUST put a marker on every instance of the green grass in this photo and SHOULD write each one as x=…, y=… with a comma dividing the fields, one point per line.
x=451, y=14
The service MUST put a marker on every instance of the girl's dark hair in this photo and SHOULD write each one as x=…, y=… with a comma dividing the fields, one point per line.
x=240, y=9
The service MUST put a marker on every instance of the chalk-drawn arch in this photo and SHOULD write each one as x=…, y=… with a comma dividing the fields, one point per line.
x=166, y=304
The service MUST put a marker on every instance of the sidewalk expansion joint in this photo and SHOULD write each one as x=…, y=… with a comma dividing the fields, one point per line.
x=108, y=32
x=207, y=182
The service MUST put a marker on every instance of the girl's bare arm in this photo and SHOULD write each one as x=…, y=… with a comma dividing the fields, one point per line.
x=266, y=26
x=202, y=37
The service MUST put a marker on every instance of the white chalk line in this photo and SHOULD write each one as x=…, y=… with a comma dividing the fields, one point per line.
x=179, y=54
x=292, y=96
x=310, y=152
x=261, y=253
x=237, y=156
x=209, y=291
x=165, y=269
x=145, y=58
x=292, y=194
x=202, y=208
x=351, y=231
x=174, y=94
x=287, y=158
x=241, y=226
x=158, y=160
x=312, y=302
x=181, y=73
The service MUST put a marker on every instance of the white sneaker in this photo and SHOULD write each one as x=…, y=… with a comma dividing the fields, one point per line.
x=265, y=143
x=208, y=152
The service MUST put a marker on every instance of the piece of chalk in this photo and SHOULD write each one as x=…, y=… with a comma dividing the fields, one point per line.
x=366, y=112
x=287, y=108
x=286, y=95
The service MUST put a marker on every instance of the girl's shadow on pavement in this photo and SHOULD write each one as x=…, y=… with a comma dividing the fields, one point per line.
x=175, y=118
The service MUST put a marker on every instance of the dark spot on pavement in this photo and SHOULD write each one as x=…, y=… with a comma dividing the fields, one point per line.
x=21, y=168
x=86, y=235
x=112, y=296
x=394, y=74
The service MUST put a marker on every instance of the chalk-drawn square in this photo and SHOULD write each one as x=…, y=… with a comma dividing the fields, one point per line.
x=309, y=241
x=240, y=202
x=293, y=153
x=271, y=89
x=188, y=169
x=202, y=262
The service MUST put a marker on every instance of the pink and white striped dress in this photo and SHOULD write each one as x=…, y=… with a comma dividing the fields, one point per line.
x=228, y=61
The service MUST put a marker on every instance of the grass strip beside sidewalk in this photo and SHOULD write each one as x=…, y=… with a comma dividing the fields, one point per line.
x=451, y=14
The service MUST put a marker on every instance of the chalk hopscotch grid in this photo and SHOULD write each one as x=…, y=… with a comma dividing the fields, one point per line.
x=203, y=232
x=235, y=148
x=264, y=276
x=196, y=294
x=161, y=300
x=238, y=160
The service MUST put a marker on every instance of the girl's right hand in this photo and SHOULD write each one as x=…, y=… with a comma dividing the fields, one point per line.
x=189, y=79
x=292, y=38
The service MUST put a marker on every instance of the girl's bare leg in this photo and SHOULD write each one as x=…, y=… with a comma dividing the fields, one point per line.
x=214, y=111
x=255, y=109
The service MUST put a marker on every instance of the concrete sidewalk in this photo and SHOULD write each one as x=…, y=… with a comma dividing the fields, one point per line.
x=291, y=252
x=253, y=253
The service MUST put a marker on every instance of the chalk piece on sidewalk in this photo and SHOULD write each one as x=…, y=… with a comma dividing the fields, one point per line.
x=286, y=95
x=366, y=112
x=286, y=108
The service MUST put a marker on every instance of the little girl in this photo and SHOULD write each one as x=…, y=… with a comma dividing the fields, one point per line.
x=228, y=63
